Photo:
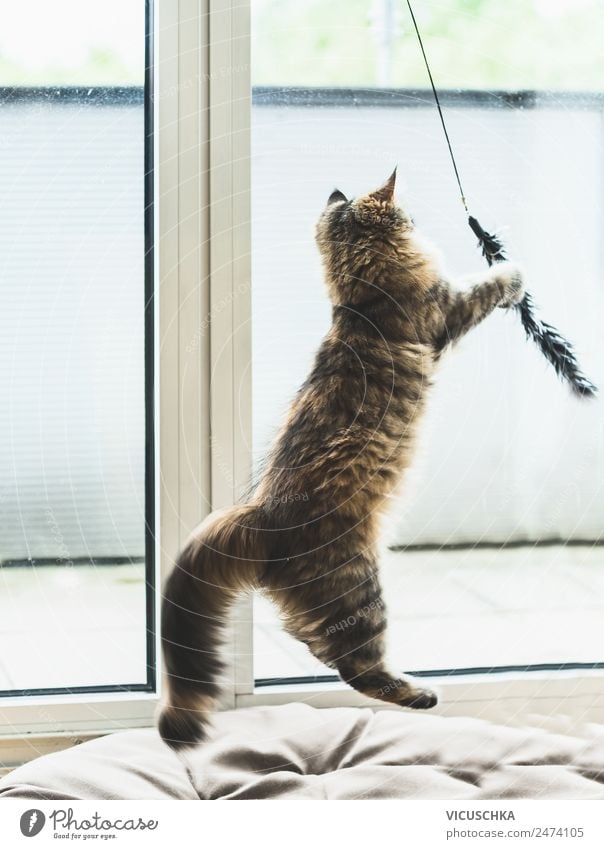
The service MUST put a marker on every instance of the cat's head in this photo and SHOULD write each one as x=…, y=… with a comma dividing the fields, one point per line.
x=358, y=236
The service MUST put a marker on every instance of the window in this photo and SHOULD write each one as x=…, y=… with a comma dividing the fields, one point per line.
x=76, y=316
x=88, y=346
x=496, y=561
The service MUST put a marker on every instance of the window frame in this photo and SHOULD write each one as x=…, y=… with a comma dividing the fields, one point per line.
x=197, y=266
x=98, y=98
x=34, y=722
x=202, y=316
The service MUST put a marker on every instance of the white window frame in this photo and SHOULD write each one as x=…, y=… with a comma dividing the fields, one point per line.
x=202, y=292
x=203, y=412
x=36, y=725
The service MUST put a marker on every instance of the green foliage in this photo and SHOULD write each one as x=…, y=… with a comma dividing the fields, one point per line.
x=312, y=42
x=471, y=43
x=101, y=67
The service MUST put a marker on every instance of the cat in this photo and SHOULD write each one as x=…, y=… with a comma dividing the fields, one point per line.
x=308, y=535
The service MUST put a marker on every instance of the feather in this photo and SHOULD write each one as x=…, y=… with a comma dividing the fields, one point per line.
x=557, y=350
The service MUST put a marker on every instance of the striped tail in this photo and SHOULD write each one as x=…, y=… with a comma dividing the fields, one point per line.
x=224, y=557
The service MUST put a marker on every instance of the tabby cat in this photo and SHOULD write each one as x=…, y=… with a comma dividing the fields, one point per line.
x=308, y=536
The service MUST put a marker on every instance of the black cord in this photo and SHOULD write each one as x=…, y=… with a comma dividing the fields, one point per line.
x=438, y=106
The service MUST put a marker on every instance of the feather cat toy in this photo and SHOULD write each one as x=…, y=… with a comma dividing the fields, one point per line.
x=557, y=350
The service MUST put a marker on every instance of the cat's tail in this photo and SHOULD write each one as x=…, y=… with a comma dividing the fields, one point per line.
x=224, y=556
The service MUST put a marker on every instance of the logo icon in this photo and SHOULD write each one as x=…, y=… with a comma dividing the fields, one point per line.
x=32, y=822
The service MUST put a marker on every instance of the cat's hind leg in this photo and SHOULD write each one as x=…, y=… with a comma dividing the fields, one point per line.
x=343, y=622
x=362, y=665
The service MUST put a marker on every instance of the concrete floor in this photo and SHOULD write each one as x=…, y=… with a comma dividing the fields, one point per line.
x=72, y=626
x=78, y=626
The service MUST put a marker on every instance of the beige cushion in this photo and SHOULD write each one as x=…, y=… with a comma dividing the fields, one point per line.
x=299, y=752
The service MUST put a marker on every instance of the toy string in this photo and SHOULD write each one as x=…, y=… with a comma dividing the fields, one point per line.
x=438, y=106
x=557, y=350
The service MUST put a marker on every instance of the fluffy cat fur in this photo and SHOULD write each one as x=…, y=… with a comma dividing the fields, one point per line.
x=308, y=536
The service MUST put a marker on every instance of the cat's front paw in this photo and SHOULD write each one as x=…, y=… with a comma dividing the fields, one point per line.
x=512, y=284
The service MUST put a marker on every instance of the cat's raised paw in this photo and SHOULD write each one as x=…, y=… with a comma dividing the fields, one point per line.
x=513, y=285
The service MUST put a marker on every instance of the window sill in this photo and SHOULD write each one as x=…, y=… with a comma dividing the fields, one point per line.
x=559, y=702
x=49, y=724
x=538, y=699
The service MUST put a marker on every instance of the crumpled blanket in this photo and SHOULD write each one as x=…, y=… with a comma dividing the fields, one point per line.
x=299, y=752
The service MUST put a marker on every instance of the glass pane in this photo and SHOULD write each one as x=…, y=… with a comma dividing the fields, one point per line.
x=506, y=456
x=72, y=331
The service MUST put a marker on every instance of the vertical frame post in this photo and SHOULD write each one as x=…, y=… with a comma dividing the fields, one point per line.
x=230, y=294
x=204, y=249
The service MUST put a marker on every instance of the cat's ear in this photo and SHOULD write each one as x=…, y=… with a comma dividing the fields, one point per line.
x=385, y=193
x=336, y=196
